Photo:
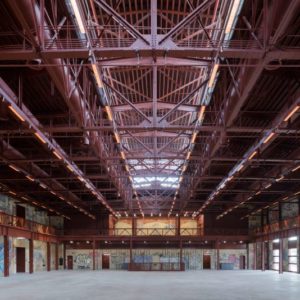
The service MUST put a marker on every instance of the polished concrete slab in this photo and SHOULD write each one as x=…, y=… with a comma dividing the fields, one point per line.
x=123, y=285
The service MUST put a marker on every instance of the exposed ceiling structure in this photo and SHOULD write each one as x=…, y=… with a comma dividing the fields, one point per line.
x=150, y=107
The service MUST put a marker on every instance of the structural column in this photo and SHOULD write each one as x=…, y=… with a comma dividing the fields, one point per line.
x=65, y=263
x=130, y=254
x=178, y=225
x=180, y=256
x=255, y=256
x=218, y=255
x=6, y=256
x=94, y=255
x=248, y=260
x=133, y=222
x=263, y=258
x=56, y=256
x=31, y=255
x=281, y=255
x=48, y=256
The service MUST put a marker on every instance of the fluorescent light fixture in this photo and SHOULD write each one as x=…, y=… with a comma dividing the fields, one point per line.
x=294, y=110
x=40, y=137
x=295, y=169
x=16, y=113
x=77, y=15
x=14, y=168
x=268, y=137
x=229, y=178
x=117, y=138
x=280, y=178
x=201, y=113
x=109, y=113
x=213, y=75
x=240, y=167
x=57, y=154
x=276, y=241
x=97, y=76
x=232, y=15
x=293, y=238
x=80, y=178
x=13, y=193
x=252, y=155
x=30, y=178
x=43, y=186
x=188, y=155
x=70, y=168
x=267, y=186
x=194, y=136
x=123, y=155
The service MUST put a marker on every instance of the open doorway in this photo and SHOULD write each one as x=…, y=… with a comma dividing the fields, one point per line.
x=70, y=262
x=242, y=262
x=206, y=262
x=105, y=261
x=20, y=260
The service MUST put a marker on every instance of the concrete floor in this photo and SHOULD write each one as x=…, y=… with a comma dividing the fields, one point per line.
x=123, y=285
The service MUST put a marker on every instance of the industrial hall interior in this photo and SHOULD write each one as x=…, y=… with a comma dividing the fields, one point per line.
x=150, y=149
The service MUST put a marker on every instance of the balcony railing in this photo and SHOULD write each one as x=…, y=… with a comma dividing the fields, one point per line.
x=200, y=231
x=21, y=223
x=290, y=223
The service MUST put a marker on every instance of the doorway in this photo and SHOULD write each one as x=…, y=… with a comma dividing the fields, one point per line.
x=20, y=259
x=242, y=262
x=70, y=262
x=206, y=262
x=105, y=261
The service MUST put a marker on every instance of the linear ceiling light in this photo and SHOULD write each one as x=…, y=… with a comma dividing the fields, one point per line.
x=188, y=155
x=14, y=168
x=40, y=137
x=123, y=155
x=109, y=113
x=268, y=137
x=295, y=169
x=213, y=75
x=194, y=136
x=70, y=168
x=30, y=178
x=201, y=113
x=77, y=15
x=97, y=76
x=252, y=155
x=294, y=110
x=57, y=154
x=117, y=138
x=16, y=113
x=232, y=15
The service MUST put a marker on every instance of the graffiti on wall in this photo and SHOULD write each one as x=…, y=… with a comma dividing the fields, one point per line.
x=83, y=261
x=1, y=258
